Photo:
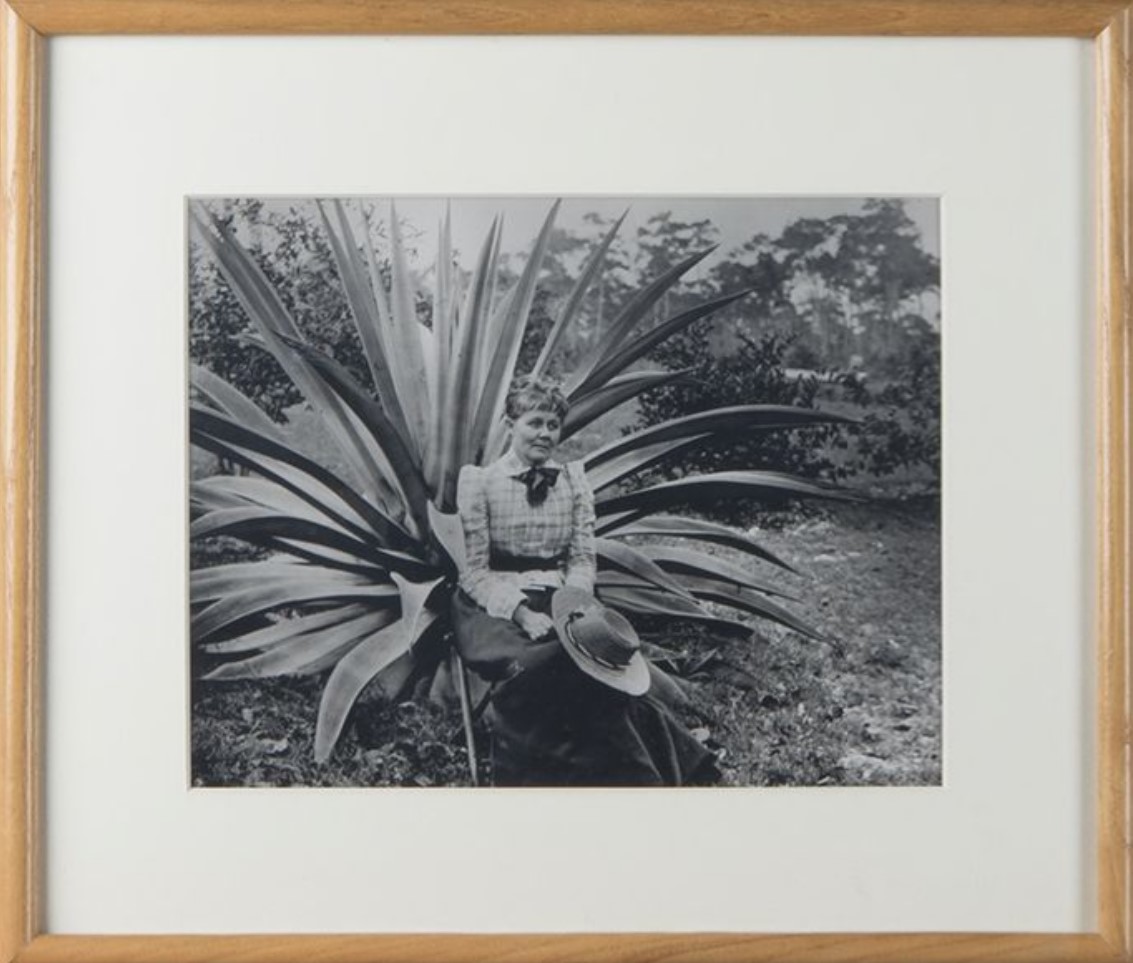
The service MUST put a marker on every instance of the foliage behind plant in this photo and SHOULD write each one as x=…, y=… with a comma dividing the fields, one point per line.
x=754, y=369
x=901, y=425
x=897, y=422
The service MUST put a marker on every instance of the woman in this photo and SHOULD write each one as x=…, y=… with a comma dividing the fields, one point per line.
x=529, y=530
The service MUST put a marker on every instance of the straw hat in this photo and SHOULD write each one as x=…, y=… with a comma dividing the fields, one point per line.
x=601, y=642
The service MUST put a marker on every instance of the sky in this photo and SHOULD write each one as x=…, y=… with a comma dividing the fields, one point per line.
x=737, y=219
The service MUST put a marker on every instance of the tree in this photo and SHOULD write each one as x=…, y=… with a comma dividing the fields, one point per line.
x=828, y=295
x=858, y=278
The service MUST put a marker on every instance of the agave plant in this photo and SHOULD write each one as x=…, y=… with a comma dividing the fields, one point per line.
x=362, y=561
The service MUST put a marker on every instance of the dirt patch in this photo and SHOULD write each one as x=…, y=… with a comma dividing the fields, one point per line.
x=862, y=707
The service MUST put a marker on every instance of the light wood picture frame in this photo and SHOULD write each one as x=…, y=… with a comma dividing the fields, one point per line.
x=24, y=27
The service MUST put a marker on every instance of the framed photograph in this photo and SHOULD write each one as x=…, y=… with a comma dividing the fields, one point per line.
x=430, y=468
x=644, y=331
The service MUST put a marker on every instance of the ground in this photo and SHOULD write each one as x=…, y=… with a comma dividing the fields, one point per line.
x=861, y=707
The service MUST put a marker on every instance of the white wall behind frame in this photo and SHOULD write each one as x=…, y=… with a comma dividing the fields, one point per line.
x=999, y=129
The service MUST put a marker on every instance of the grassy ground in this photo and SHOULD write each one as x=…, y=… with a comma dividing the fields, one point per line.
x=860, y=709
x=863, y=708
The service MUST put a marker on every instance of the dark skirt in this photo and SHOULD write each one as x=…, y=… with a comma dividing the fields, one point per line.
x=553, y=725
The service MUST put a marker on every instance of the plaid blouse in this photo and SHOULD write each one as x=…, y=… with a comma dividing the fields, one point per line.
x=496, y=516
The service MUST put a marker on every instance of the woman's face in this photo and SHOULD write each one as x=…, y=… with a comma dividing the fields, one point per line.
x=534, y=435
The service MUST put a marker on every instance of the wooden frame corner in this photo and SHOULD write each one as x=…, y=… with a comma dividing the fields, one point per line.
x=24, y=24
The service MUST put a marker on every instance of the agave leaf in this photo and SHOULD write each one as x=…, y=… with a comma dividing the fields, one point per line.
x=629, y=317
x=610, y=579
x=268, y=313
x=606, y=398
x=328, y=586
x=219, y=583
x=614, y=364
x=361, y=461
x=408, y=360
x=402, y=677
x=402, y=459
x=444, y=329
x=700, y=564
x=723, y=484
x=367, y=301
x=623, y=466
x=204, y=499
x=366, y=660
x=296, y=481
x=727, y=593
x=499, y=432
x=396, y=391
x=319, y=556
x=673, y=526
x=506, y=343
x=381, y=488
x=574, y=300
x=230, y=490
x=374, y=481
x=414, y=596
x=214, y=582
x=646, y=601
x=235, y=491
x=495, y=321
x=234, y=403
x=260, y=526
x=284, y=630
x=428, y=342
x=463, y=391
x=725, y=422
x=494, y=311
x=364, y=295
x=444, y=301
x=351, y=675
x=297, y=655
x=633, y=562
x=253, y=522
x=297, y=473
x=395, y=680
x=249, y=284
x=484, y=317
x=613, y=521
x=377, y=283
x=326, y=661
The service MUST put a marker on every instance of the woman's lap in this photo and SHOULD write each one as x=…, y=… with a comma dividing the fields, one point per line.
x=497, y=649
x=552, y=724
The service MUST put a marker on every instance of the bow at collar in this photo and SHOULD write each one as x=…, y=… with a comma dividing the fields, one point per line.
x=539, y=480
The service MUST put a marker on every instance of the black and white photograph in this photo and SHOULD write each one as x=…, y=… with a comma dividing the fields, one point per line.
x=612, y=491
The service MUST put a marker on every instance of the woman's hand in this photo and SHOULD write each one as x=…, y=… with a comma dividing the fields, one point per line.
x=535, y=625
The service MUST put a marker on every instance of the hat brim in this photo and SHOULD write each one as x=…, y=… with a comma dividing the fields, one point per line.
x=633, y=679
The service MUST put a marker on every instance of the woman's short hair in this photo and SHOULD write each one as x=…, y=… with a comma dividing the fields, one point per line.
x=528, y=393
